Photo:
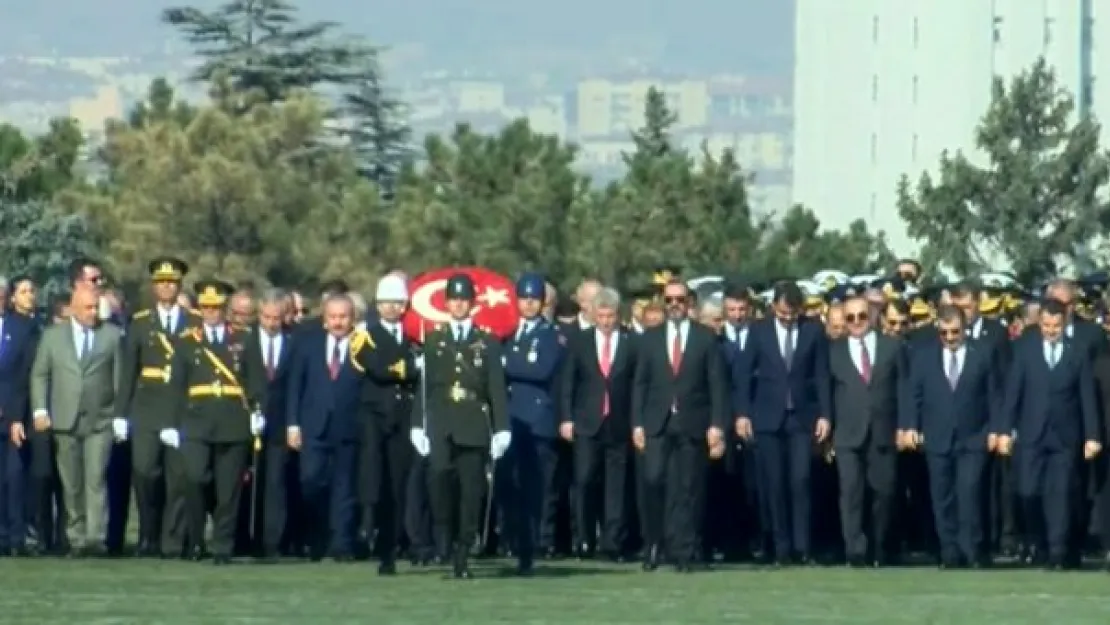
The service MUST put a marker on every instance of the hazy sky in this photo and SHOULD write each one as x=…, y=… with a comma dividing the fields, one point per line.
x=752, y=36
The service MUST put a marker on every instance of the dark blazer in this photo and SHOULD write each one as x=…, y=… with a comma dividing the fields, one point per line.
x=1054, y=408
x=866, y=413
x=1101, y=370
x=738, y=355
x=583, y=385
x=17, y=354
x=390, y=378
x=699, y=391
x=274, y=407
x=768, y=380
x=953, y=420
x=326, y=410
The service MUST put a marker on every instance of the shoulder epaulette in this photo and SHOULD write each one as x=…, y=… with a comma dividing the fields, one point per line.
x=194, y=333
x=141, y=314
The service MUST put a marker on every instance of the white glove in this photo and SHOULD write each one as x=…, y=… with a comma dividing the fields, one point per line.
x=418, y=362
x=499, y=444
x=504, y=362
x=420, y=441
x=119, y=429
x=258, y=423
x=170, y=438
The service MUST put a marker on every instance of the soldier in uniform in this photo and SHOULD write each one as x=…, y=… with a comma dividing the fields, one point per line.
x=465, y=406
x=532, y=359
x=148, y=404
x=219, y=391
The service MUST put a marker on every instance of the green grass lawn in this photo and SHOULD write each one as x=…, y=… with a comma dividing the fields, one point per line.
x=172, y=593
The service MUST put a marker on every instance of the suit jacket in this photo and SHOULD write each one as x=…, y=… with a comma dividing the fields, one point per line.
x=327, y=411
x=532, y=363
x=738, y=354
x=953, y=420
x=1101, y=370
x=865, y=412
x=1053, y=408
x=584, y=387
x=145, y=397
x=390, y=379
x=17, y=354
x=198, y=362
x=274, y=404
x=699, y=392
x=767, y=380
x=67, y=387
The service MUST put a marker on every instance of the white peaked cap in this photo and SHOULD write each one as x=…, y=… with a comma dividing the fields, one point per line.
x=392, y=288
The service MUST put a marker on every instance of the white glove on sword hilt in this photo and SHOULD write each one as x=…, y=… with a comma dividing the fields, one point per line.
x=420, y=441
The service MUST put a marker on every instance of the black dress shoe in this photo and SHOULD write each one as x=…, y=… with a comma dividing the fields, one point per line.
x=525, y=569
x=549, y=553
x=221, y=559
x=584, y=552
x=196, y=554
x=651, y=558
x=387, y=568
x=683, y=566
x=22, y=552
x=857, y=561
x=460, y=568
x=343, y=558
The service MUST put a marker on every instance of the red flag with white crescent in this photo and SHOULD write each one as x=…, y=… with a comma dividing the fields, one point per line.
x=494, y=306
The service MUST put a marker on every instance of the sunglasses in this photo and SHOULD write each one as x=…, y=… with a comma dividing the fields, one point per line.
x=674, y=300
x=950, y=332
x=898, y=323
x=854, y=317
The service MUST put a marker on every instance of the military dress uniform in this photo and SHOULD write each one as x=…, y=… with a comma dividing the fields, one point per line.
x=219, y=392
x=457, y=420
x=148, y=403
x=532, y=359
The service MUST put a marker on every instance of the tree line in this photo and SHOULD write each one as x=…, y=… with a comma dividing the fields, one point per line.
x=300, y=167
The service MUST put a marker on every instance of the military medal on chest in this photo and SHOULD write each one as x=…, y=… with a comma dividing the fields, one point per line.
x=532, y=355
x=458, y=393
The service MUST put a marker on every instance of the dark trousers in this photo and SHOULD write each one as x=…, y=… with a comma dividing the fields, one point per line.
x=785, y=461
x=217, y=468
x=1047, y=483
x=387, y=460
x=457, y=489
x=423, y=541
x=13, y=512
x=521, y=479
x=161, y=485
x=601, y=470
x=674, y=472
x=329, y=478
x=31, y=494
x=1102, y=500
x=867, y=480
x=560, y=493
x=915, y=526
x=279, y=490
x=119, y=495
x=957, y=481
x=1003, y=529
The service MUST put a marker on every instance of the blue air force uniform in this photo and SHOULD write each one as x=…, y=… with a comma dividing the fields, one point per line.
x=532, y=358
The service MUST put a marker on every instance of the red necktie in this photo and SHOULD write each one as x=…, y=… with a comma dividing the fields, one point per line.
x=333, y=366
x=606, y=367
x=676, y=350
x=864, y=362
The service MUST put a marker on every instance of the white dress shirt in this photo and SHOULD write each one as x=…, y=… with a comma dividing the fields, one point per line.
x=266, y=341
x=614, y=340
x=173, y=312
x=214, y=332
x=961, y=355
x=583, y=324
x=738, y=335
x=855, y=348
x=525, y=327
x=683, y=330
x=780, y=332
x=460, y=329
x=79, y=338
x=1053, y=352
x=394, y=329
x=343, y=344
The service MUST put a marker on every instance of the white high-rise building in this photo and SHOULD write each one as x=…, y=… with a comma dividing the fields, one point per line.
x=882, y=87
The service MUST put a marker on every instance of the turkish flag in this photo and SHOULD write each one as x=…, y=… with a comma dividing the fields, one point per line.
x=494, y=306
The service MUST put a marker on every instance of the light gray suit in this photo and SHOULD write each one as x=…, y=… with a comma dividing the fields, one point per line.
x=79, y=394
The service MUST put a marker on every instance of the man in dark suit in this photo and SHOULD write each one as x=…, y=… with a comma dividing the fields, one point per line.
x=737, y=346
x=952, y=403
x=867, y=371
x=1051, y=406
x=784, y=409
x=679, y=412
x=387, y=397
x=532, y=358
x=1003, y=527
x=597, y=388
x=268, y=348
x=324, y=393
x=17, y=354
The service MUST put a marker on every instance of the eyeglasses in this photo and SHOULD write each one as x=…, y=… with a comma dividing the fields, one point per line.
x=855, y=317
x=950, y=331
x=898, y=323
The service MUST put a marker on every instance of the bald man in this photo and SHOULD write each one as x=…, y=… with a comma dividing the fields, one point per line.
x=73, y=387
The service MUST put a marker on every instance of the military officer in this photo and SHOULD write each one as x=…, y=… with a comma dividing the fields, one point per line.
x=532, y=357
x=460, y=418
x=219, y=391
x=146, y=405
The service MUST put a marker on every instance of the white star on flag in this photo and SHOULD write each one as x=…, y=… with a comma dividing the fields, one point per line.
x=492, y=297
